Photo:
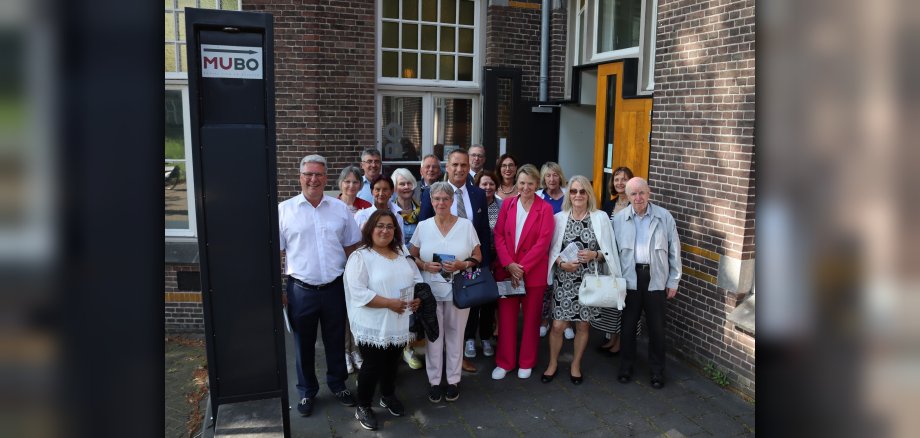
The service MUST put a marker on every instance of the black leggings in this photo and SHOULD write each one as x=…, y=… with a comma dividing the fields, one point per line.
x=482, y=318
x=380, y=365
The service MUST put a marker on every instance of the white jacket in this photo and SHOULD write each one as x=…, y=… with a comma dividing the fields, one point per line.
x=603, y=231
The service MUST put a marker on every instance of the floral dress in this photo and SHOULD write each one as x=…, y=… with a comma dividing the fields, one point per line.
x=565, y=284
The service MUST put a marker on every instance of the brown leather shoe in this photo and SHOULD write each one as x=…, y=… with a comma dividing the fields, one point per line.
x=469, y=366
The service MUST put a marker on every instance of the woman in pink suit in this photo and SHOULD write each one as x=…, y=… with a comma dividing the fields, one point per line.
x=523, y=233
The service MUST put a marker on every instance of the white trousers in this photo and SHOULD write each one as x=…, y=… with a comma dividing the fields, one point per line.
x=451, y=324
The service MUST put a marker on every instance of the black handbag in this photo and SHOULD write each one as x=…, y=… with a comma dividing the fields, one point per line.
x=474, y=288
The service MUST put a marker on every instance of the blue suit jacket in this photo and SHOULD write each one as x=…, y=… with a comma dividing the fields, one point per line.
x=480, y=217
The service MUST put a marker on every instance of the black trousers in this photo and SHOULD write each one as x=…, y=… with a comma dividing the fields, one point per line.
x=482, y=318
x=654, y=304
x=380, y=365
x=308, y=309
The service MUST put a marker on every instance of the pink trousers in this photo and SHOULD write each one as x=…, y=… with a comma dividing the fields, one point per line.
x=508, y=310
x=445, y=355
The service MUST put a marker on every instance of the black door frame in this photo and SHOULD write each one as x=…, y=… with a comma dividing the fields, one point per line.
x=491, y=76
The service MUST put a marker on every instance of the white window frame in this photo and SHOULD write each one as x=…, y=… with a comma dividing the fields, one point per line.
x=477, y=50
x=612, y=54
x=648, y=25
x=192, y=229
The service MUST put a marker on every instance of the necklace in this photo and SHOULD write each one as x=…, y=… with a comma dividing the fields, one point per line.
x=502, y=189
x=582, y=216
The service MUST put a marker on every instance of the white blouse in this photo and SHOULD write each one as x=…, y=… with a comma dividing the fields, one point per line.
x=459, y=242
x=368, y=274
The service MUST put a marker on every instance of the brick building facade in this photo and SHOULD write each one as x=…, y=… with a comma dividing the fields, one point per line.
x=329, y=94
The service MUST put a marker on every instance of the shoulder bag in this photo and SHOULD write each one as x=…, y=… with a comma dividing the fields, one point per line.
x=474, y=288
x=602, y=290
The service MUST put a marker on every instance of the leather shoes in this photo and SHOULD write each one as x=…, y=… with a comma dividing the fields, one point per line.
x=577, y=380
x=469, y=366
x=657, y=382
x=546, y=378
x=624, y=378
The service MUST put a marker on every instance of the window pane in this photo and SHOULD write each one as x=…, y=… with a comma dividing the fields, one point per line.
x=618, y=24
x=449, y=11
x=447, y=39
x=175, y=171
x=401, y=129
x=410, y=10
x=467, y=12
x=170, y=26
x=170, y=57
x=230, y=5
x=464, y=68
x=390, y=8
x=429, y=37
x=429, y=66
x=170, y=4
x=410, y=36
x=452, y=124
x=181, y=28
x=182, y=4
x=430, y=10
x=182, y=58
x=447, y=68
x=390, y=65
x=409, y=65
x=390, y=37
x=466, y=40
x=208, y=4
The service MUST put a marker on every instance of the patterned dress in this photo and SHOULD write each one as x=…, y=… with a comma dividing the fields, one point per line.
x=566, y=284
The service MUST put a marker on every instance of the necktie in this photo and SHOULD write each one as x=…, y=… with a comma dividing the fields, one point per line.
x=461, y=207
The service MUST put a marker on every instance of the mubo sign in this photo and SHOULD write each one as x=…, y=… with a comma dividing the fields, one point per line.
x=237, y=62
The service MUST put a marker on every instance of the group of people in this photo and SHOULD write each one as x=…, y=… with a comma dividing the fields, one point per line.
x=354, y=263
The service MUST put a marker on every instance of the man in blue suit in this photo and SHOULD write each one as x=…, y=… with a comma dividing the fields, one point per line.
x=469, y=203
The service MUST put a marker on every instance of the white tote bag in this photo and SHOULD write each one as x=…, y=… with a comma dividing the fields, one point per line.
x=602, y=290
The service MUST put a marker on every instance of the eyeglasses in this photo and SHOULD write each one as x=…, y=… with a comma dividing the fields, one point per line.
x=574, y=192
x=508, y=166
x=309, y=175
x=477, y=155
x=387, y=227
x=369, y=162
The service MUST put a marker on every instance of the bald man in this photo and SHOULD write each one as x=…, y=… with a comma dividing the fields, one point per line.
x=650, y=259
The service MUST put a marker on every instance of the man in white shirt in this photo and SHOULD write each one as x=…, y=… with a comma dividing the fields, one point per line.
x=650, y=259
x=317, y=233
x=477, y=159
x=371, y=164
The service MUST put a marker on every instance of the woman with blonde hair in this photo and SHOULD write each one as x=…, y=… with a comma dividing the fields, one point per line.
x=582, y=224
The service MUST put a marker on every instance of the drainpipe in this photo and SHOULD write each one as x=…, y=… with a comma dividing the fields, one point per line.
x=544, y=50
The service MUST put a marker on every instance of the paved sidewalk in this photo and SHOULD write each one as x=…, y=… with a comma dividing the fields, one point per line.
x=689, y=404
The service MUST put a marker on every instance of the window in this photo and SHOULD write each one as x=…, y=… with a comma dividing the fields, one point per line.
x=428, y=42
x=177, y=165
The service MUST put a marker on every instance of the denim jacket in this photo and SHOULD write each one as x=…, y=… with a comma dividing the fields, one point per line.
x=664, y=248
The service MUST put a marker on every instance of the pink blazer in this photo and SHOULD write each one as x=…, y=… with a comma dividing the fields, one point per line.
x=533, y=251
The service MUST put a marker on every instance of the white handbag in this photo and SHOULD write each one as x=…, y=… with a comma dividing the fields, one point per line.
x=602, y=290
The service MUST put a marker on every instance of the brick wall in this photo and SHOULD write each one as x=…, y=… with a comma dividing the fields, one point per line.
x=702, y=168
x=324, y=82
x=183, y=307
x=513, y=40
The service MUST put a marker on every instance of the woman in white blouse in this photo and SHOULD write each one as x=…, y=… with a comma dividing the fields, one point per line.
x=379, y=286
x=441, y=246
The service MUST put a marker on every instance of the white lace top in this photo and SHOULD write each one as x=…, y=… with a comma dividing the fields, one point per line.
x=368, y=274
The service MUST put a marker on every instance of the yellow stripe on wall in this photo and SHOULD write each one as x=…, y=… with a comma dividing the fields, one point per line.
x=714, y=256
x=183, y=297
x=700, y=275
x=523, y=5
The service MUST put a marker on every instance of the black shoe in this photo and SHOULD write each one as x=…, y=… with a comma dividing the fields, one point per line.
x=434, y=394
x=393, y=405
x=345, y=398
x=365, y=416
x=612, y=353
x=624, y=378
x=452, y=393
x=577, y=380
x=546, y=378
x=602, y=349
x=305, y=407
x=657, y=381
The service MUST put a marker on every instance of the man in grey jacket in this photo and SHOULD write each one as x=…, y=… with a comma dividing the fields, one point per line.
x=649, y=249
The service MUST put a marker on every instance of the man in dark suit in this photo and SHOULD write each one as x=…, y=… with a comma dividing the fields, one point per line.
x=469, y=203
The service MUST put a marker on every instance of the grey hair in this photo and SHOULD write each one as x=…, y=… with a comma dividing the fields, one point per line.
x=443, y=187
x=585, y=184
x=312, y=159
x=350, y=170
x=403, y=172
x=370, y=151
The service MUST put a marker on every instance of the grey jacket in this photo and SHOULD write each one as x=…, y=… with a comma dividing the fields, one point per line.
x=664, y=248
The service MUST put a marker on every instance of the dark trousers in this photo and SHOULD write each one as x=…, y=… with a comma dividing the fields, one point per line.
x=654, y=304
x=306, y=309
x=380, y=365
x=482, y=318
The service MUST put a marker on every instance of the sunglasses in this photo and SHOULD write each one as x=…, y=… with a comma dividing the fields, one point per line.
x=574, y=192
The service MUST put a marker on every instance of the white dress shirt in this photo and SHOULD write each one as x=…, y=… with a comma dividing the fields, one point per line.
x=314, y=238
x=466, y=201
x=643, y=235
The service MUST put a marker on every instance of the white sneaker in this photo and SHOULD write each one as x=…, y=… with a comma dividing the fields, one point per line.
x=470, y=349
x=523, y=373
x=411, y=359
x=349, y=364
x=487, y=350
x=356, y=356
x=569, y=333
x=543, y=330
x=499, y=373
